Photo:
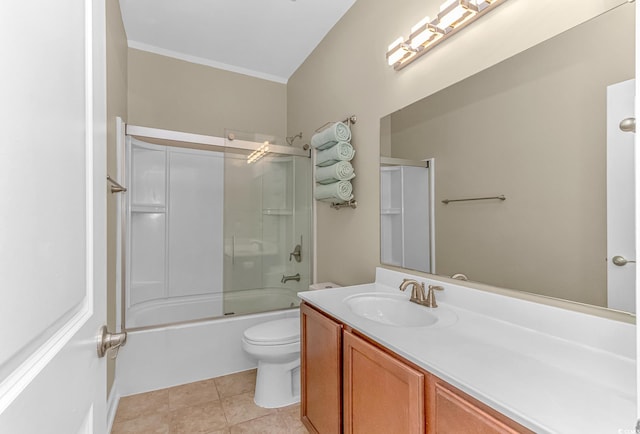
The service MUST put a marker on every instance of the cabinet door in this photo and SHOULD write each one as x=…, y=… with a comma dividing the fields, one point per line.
x=381, y=393
x=453, y=412
x=321, y=372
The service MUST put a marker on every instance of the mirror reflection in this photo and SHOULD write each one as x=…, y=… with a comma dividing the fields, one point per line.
x=530, y=140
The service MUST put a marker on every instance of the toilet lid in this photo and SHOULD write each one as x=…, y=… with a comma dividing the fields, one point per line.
x=281, y=331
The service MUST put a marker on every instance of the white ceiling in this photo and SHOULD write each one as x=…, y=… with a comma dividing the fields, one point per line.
x=268, y=39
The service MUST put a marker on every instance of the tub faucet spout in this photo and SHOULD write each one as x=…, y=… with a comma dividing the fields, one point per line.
x=285, y=278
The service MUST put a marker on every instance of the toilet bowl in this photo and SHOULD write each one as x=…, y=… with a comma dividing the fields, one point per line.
x=276, y=345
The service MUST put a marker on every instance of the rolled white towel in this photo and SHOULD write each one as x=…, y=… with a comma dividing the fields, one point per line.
x=334, y=133
x=338, y=190
x=341, y=171
x=342, y=151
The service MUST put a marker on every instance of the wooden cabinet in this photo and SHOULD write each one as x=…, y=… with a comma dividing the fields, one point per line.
x=353, y=385
x=452, y=411
x=320, y=372
x=381, y=393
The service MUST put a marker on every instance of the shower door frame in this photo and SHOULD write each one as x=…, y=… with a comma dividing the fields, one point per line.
x=179, y=139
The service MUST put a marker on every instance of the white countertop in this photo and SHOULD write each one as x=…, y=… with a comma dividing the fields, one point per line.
x=549, y=369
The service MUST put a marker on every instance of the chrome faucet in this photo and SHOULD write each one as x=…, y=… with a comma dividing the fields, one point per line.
x=417, y=292
x=285, y=279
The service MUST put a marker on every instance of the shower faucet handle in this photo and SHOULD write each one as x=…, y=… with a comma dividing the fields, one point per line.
x=297, y=253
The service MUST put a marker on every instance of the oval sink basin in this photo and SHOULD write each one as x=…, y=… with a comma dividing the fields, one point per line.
x=392, y=309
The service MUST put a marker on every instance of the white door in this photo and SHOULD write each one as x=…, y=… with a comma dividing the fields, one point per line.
x=52, y=216
x=620, y=199
x=637, y=214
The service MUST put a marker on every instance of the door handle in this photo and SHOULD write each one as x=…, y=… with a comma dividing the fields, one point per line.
x=620, y=261
x=107, y=340
x=628, y=125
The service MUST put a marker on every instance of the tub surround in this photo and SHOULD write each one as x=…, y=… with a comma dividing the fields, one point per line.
x=549, y=369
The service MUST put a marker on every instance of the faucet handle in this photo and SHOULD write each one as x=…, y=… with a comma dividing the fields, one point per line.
x=431, y=296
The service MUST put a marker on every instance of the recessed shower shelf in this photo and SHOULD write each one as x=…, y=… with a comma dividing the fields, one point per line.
x=273, y=211
x=148, y=208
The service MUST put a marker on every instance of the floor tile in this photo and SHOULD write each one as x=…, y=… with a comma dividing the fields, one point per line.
x=236, y=384
x=241, y=408
x=198, y=419
x=222, y=405
x=134, y=406
x=156, y=423
x=220, y=431
x=190, y=394
x=270, y=424
x=291, y=416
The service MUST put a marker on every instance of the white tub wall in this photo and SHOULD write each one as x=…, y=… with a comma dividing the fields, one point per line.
x=170, y=356
x=175, y=245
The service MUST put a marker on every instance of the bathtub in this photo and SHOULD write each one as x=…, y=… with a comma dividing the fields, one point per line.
x=180, y=309
x=165, y=356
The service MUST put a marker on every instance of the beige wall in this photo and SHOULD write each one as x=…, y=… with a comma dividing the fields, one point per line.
x=157, y=91
x=116, y=106
x=534, y=129
x=173, y=94
x=347, y=74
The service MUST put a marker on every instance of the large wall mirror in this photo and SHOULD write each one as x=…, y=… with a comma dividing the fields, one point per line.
x=536, y=142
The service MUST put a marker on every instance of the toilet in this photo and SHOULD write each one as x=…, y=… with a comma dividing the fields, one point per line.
x=276, y=345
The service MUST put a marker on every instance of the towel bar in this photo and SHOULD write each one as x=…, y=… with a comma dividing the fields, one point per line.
x=501, y=197
x=349, y=121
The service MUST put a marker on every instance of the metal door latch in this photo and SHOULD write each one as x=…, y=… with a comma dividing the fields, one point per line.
x=620, y=261
x=628, y=125
x=107, y=341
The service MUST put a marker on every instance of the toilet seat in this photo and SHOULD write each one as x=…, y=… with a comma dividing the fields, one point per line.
x=278, y=332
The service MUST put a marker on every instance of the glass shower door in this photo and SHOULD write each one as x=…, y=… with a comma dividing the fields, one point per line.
x=266, y=215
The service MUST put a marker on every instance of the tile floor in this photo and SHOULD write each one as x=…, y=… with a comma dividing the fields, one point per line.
x=222, y=405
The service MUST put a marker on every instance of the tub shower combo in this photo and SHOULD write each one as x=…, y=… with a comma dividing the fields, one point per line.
x=215, y=238
x=216, y=227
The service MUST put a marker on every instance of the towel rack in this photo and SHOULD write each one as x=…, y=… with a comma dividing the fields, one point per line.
x=349, y=121
x=501, y=197
x=348, y=204
x=115, y=186
x=352, y=203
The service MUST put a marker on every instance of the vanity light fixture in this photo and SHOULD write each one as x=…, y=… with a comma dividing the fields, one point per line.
x=397, y=52
x=424, y=33
x=453, y=16
x=258, y=153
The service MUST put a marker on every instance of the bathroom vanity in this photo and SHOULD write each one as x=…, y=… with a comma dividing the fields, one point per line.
x=480, y=362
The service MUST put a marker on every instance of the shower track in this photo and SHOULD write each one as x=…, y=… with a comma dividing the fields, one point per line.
x=199, y=141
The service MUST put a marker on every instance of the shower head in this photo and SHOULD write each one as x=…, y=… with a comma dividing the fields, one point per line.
x=290, y=139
